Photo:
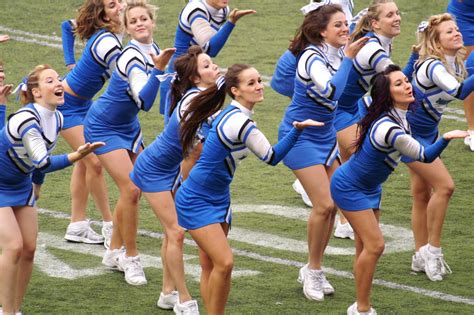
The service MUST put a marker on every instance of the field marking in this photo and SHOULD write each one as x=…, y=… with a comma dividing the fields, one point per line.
x=292, y=263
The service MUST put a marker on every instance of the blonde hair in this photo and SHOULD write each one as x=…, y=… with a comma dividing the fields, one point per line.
x=364, y=25
x=131, y=4
x=32, y=81
x=428, y=42
x=91, y=17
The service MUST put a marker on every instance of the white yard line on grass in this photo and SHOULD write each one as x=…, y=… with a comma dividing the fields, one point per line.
x=286, y=262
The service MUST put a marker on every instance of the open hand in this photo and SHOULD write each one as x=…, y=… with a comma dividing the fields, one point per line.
x=236, y=14
x=87, y=148
x=4, y=38
x=455, y=134
x=307, y=123
x=5, y=90
x=353, y=48
x=163, y=58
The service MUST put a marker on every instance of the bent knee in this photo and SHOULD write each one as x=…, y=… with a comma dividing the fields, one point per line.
x=225, y=265
x=175, y=235
x=376, y=248
x=326, y=209
x=131, y=193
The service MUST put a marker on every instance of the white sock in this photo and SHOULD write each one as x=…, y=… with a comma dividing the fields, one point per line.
x=434, y=250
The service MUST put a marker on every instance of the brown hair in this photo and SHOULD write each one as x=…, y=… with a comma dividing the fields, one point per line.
x=364, y=25
x=207, y=103
x=91, y=17
x=314, y=23
x=186, y=67
x=132, y=4
x=32, y=81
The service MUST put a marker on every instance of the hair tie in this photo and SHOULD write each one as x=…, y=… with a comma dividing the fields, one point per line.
x=423, y=26
x=22, y=87
x=313, y=6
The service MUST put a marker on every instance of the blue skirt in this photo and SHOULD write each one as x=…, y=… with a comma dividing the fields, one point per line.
x=198, y=207
x=16, y=188
x=74, y=110
x=126, y=136
x=154, y=173
x=345, y=119
x=351, y=198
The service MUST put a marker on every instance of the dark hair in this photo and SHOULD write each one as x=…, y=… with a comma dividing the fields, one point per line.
x=207, y=103
x=314, y=23
x=186, y=67
x=381, y=102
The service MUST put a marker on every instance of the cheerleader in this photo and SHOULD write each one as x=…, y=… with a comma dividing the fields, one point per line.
x=356, y=185
x=26, y=143
x=206, y=23
x=438, y=79
x=5, y=90
x=203, y=200
x=113, y=118
x=322, y=72
x=98, y=22
x=158, y=167
x=463, y=12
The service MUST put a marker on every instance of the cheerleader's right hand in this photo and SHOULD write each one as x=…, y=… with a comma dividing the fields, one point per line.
x=307, y=123
x=455, y=134
x=236, y=14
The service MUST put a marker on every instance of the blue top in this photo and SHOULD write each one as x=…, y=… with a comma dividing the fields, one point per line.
x=133, y=87
x=232, y=136
x=68, y=39
x=96, y=64
x=283, y=79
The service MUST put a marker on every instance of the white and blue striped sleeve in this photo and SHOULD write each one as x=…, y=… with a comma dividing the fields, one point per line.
x=107, y=49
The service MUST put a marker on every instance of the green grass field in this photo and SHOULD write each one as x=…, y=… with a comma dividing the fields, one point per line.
x=269, y=230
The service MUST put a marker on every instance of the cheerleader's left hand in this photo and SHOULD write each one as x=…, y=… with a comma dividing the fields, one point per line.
x=307, y=123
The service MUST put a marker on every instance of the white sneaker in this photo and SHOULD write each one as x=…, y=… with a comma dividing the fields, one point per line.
x=328, y=289
x=81, y=232
x=186, y=308
x=312, y=285
x=343, y=230
x=468, y=140
x=435, y=266
x=352, y=310
x=300, y=190
x=417, y=263
x=133, y=269
x=107, y=228
x=111, y=256
x=167, y=301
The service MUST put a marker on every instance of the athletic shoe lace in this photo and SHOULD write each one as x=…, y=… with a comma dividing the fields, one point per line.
x=443, y=265
x=316, y=279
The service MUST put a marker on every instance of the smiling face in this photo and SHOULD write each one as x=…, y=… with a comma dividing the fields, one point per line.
x=113, y=10
x=218, y=4
x=401, y=90
x=388, y=21
x=336, y=33
x=449, y=37
x=207, y=70
x=250, y=89
x=140, y=25
x=49, y=92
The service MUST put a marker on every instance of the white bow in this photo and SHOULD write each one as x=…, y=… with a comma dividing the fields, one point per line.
x=423, y=26
x=313, y=6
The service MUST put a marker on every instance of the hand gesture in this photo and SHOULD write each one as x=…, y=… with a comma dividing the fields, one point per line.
x=455, y=134
x=4, y=38
x=5, y=90
x=71, y=66
x=163, y=58
x=236, y=14
x=84, y=150
x=307, y=123
x=353, y=48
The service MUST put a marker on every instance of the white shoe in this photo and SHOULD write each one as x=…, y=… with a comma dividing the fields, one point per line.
x=81, y=232
x=133, y=269
x=312, y=285
x=107, y=228
x=111, y=256
x=468, y=140
x=343, y=230
x=328, y=289
x=435, y=266
x=167, y=301
x=186, y=308
x=417, y=263
x=352, y=310
x=300, y=190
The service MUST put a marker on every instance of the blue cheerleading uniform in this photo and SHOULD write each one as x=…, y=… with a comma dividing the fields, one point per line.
x=370, y=60
x=134, y=85
x=89, y=75
x=434, y=89
x=321, y=76
x=357, y=184
x=196, y=11
x=283, y=78
x=157, y=167
x=463, y=11
x=204, y=198
x=470, y=64
x=3, y=112
x=26, y=143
